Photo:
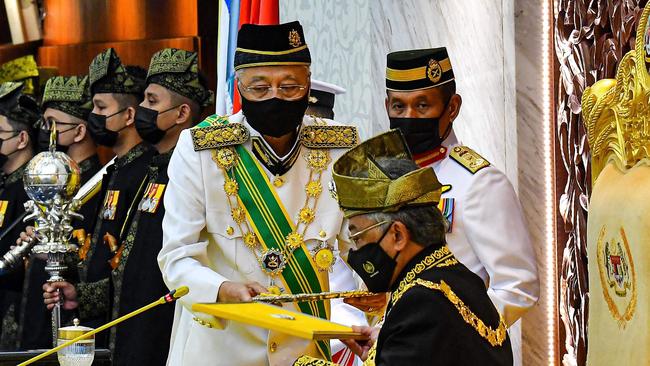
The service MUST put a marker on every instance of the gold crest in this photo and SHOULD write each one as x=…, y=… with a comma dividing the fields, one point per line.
x=617, y=274
x=294, y=39
x=225, y=158
x=294, y=240
x=369, y=267
x=434, y=71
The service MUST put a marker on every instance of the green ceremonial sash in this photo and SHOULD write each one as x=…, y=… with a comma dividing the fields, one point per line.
x=271, y=224
x=270, y=221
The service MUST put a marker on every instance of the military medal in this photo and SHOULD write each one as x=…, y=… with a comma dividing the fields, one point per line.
x=110, y=205
x=323, y=257
x=3, y=211
x=273, y=261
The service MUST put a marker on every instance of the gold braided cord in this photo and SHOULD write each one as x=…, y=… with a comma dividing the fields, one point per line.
x=495, y=337
x=440, y=258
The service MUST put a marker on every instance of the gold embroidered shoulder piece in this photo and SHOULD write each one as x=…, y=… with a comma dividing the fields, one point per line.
x=496, y=337
x=215, y=132
x=311, y=361
x=468, y=158
x=329, y=137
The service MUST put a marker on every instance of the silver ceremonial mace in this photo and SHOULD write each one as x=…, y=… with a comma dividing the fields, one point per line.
x=51, y=180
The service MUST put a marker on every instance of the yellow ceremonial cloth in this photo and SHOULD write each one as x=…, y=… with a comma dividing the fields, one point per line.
x=279, y=319
x=619, y=267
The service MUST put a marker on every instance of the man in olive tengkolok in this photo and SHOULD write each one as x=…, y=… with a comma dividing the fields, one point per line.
x=116, y=91
x=247, y=207
x=18, y=115
x=439, y=311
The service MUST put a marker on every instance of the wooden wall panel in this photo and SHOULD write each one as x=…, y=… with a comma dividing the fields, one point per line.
x=9, y=52
x=82, y=21
x=74, y=59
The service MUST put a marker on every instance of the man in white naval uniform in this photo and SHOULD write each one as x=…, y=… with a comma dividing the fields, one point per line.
x=232, y=178
x=487, y=231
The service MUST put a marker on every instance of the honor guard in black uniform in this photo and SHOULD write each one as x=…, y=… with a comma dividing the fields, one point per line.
x=116, y=92
x=439, y=311
x=175, y=96
x=18, y=115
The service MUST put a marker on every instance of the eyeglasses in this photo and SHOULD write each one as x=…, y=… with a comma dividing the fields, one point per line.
x=47, y=124
x=262, y=92
x=354, y=237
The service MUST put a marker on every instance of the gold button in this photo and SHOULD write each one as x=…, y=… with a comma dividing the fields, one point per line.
x=273, y=347
x=278, y=182
x=230, y=230
x=322, y=234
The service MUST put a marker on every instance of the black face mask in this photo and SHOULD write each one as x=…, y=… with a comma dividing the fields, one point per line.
x=274, y=117
x=4, y=158
x=44, y=140
x=421, y=134
x=146, y=123
x=373, y=265
x=100, y=134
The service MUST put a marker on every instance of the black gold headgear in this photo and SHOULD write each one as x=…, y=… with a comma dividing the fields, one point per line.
x=21, y=69
x=271, y=45
x=178, y=71
x=418, y=69
x=17, y=106
x=108, y=75
x=378, y=192
x=68, y=94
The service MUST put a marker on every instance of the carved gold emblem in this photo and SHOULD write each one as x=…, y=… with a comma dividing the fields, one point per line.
x=231, y=187
x=324, y=259
x=306, y=215
x=314, y=188
x=225, y=157
x=250, y=239
x=238, y=214
x=434, y=71
x=294, y=39
x=272, y=261
x=617, y=274
x=294, y=240
x=318, y=159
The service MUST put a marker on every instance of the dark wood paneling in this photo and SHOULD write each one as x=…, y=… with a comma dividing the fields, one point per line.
x=74, y=59
x=83, y=21
x=9, y=52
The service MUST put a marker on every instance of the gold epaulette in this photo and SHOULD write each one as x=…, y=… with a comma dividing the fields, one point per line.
x=329, y=137
x=495, y=337
x=468, y=158
x=311, y=361
x=215, y=132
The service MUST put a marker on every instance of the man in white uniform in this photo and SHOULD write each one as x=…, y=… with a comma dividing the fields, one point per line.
x=487, y=230
x=247, y=207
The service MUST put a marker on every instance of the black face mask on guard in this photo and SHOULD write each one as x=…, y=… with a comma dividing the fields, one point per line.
x=98, y=131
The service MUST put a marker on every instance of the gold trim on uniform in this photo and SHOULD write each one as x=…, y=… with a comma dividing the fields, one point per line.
x=312, y=361
x=496, y=337
x=272, y=53
x=468, y=158
x=273, y=63
x=443, y=258
x=419, y=73
x=217, y=136
x=324, y=137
